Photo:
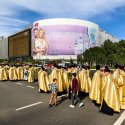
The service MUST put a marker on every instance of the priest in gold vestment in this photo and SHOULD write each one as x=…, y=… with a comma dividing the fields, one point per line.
x=43, y=80
x=121, y=87
x=110, y=96
x=65, y=80
x=95, y=91
x=31, y=74
x=83, y=81
x=13, y=73
x=3, y=73
x=20, y=72
x=88, y=77
x=36, y=70
x=56, y=74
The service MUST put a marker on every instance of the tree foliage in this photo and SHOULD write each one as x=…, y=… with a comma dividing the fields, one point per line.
x=109, y=53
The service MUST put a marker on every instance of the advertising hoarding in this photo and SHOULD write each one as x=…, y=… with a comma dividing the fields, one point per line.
x=62, y=39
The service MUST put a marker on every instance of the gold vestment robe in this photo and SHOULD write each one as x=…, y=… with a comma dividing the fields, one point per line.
x=121, y=88
x=3, y=74
x=110, y=93
x=65, y=81
x=95, y=91
x=56, y=74
x=36, y=70
x=20, y=73
x=43, y=80
x=84, y=86
x=89, y=79
x=13, y=73
x=31, y=75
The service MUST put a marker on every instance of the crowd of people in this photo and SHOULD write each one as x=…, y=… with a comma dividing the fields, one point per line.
x=106, y=89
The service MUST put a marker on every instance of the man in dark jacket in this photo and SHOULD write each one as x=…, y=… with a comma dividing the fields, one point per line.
x=74, y=91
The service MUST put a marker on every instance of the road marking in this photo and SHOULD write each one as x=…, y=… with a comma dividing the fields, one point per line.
x=31, y=87
x=24, y=107
x=19, y=83
x=62, y=96
x=120, y=119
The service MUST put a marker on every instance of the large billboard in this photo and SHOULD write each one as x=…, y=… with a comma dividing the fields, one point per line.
x=19, y=44
x=61, y=39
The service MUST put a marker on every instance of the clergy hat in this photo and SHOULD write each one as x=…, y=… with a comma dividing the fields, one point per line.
x=107, y=70
x=97, y=67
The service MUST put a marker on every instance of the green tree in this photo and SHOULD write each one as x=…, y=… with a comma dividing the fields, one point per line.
x=109, y=53
x=94, y=55
x=120, y=55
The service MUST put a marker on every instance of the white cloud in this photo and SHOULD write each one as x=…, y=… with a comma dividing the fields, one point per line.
x=8, y=21
x=71, y=8
x=12, y=21
x=10, y=25
x=84, y=9
x=7, y=8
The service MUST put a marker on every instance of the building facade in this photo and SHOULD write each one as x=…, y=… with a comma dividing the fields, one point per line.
x=68, y=37
x=63, y=38
x=4, y=48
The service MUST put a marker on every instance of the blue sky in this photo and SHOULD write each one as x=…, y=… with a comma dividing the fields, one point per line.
x=16, y=15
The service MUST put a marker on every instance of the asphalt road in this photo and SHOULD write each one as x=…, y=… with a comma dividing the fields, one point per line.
x=21, y=104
